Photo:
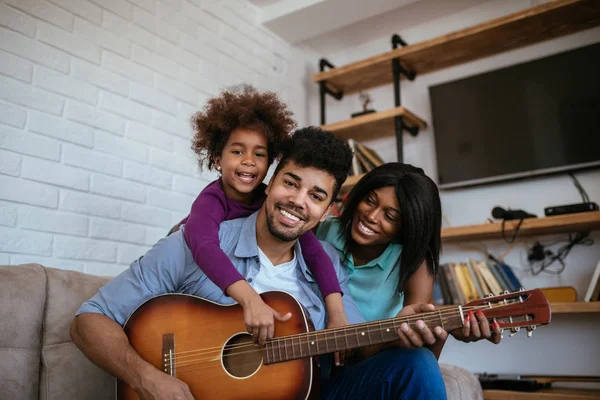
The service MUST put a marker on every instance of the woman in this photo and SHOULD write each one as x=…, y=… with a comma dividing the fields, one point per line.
x=388, y=237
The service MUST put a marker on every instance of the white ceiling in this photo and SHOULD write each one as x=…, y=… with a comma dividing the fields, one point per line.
x=329, y=26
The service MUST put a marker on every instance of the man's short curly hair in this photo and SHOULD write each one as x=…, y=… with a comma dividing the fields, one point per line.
x=247, y=108
x=314, y=147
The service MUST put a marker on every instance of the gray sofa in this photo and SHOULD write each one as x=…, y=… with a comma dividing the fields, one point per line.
x=38, y=360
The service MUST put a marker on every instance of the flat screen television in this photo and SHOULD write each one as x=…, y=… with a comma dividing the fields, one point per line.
x=536, y=118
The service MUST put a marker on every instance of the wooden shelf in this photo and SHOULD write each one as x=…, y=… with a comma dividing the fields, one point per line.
x=587, y=221
x=543, y=22
x=545, y=394
x=350, y=182
x=575, y=307
x=374, y=125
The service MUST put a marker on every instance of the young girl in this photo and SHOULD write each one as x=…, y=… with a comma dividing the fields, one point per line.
x=240, y=135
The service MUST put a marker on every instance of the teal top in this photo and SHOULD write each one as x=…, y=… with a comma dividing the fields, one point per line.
x=373, y=285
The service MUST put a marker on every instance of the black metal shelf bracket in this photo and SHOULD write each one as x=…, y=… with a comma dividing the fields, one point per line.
x=324, y=89
x=397, y=70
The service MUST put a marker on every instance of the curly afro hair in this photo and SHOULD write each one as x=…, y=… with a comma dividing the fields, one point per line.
x=247, y=108
x=314, y=147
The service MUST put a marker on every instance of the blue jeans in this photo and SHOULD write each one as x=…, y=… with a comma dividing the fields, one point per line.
x=393, y=374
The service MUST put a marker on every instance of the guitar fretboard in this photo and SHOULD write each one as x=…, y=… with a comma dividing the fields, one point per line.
x=315, y=343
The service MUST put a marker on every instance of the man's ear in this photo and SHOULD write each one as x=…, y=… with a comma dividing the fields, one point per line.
x=268, y=188
x=326, y=213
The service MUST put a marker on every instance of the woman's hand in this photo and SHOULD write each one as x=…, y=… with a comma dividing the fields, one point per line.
x=477, y=327
x=421, y=334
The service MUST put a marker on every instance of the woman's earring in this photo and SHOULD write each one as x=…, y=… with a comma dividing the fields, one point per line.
x=218, y=168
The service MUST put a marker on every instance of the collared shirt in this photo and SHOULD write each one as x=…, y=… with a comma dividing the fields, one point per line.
x=373, y=285
x=169, y=267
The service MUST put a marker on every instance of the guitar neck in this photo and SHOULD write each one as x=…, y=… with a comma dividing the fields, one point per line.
x=325, y=341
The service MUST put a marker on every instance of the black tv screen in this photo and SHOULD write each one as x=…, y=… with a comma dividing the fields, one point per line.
x=535, y=118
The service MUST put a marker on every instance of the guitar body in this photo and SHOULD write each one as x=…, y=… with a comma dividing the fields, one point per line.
x=186, y=337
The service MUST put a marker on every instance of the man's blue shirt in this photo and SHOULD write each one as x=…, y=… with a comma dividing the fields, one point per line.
x=168, y=267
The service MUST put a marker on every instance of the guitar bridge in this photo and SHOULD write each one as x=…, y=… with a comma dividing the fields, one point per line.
x=169, y=354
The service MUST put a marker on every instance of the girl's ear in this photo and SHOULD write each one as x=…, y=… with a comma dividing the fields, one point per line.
x=217, y=162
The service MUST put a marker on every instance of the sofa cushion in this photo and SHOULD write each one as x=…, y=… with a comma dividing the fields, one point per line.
x=67, y=290
x=66, y=372
x=460, y=383
x=22, y=300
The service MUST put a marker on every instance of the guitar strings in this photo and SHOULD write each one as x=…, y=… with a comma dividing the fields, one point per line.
x=303, y=335
x=210, y=355
x=217, y=357
x=435, y=316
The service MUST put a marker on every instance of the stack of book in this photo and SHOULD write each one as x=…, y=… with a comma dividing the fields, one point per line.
x=460, y=283
x=364, y=160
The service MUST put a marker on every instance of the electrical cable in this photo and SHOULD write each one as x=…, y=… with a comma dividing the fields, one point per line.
x=581, y=238
x=582, y=192
x=514, y=236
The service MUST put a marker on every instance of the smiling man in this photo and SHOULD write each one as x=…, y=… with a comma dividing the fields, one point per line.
x=264, y=247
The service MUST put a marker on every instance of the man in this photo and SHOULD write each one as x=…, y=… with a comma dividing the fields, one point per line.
x=299, y=195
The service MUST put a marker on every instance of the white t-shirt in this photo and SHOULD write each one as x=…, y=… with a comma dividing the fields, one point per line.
x=278, y=277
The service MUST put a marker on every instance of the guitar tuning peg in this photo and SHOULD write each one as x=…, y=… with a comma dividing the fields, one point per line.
x=529, y=333
x=502, y=334
x=521, y=289
x=513, y=331
x=505, y=292
x=489, y=295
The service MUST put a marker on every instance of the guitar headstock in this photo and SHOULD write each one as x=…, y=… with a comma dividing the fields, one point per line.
x=528, y=308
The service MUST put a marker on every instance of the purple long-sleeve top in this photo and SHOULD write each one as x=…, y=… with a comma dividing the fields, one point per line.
x=201, y=234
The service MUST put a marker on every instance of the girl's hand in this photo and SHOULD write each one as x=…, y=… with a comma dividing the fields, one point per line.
x=477, y=327
x=338, y=320
x=420, y=335
x=259, y=319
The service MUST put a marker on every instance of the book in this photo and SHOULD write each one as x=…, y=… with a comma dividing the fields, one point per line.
x=369, y=154
x=485, y=289
x=593, y=292
x=490, y=280
x=496, y=272
x=356, y=170
x=510, y=275
x=464, y=279
x=460, y=297
x=441, y=278
x=480, y=293
x=437, y=298
x=452, y=288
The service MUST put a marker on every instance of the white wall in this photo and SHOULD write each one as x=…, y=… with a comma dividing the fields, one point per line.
x=556, y=349
x=95, y=97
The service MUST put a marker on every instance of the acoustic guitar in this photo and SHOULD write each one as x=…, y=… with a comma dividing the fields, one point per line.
x=206, y=345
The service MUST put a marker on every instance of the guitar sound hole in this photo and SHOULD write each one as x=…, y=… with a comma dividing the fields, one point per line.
x=240, y=357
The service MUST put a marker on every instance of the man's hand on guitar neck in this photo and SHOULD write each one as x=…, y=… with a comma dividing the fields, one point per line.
x=420, y=334
x=409, y=337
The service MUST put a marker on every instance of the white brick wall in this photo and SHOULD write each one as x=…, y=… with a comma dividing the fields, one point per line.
x=95, y=100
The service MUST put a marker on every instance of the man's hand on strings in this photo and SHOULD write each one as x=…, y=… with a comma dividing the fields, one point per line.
x=420, y=334
x=156, y=385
